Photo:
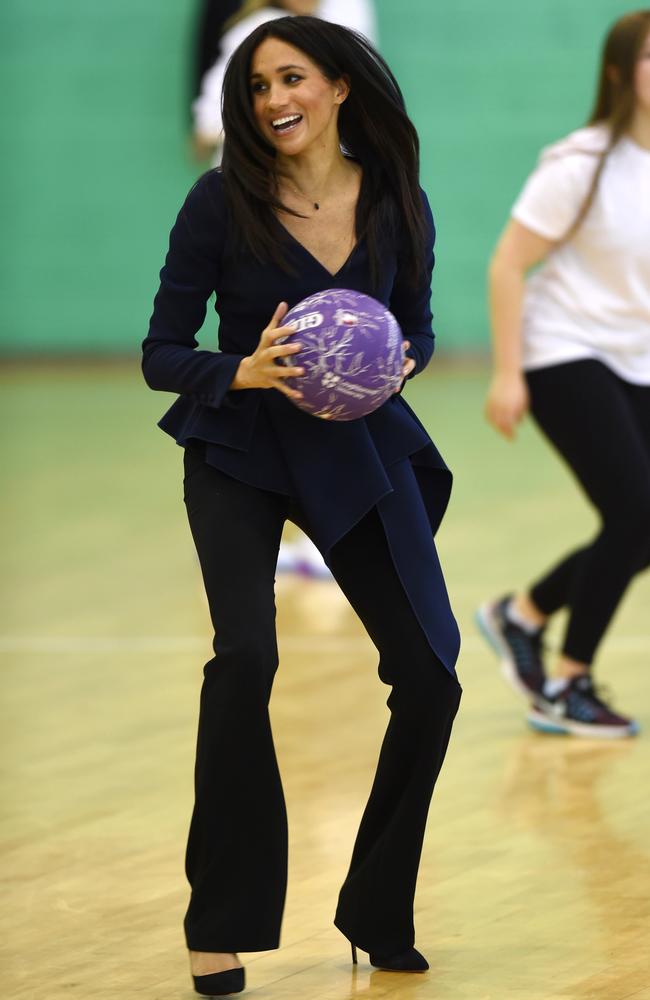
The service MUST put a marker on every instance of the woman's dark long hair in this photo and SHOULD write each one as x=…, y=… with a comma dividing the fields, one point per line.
x=615, y=99
x=373, y=128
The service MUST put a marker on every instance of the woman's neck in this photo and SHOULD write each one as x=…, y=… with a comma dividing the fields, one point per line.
x=315, y=173
x=639, y=129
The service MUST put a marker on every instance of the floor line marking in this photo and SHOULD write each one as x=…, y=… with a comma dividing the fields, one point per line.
x=196, y=643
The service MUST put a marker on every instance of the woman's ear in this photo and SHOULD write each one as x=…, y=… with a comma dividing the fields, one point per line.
x=342, y=89
x=613, y=74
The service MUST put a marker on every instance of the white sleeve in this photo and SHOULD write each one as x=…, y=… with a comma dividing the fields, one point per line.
x=356, y=14
x=206, y=109
x=554, y=193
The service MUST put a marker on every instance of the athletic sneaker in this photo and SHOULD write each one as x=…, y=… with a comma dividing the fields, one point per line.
x=579, y=709
x=519, y=651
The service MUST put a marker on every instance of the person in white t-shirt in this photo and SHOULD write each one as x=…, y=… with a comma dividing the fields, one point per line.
x=571, y=343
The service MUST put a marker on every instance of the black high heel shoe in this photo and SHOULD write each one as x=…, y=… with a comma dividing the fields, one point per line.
x=408, y=961
x=220, y=984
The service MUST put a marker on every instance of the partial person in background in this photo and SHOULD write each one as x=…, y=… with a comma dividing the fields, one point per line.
x=572, y=344
x=208, y=126
x=211, y=18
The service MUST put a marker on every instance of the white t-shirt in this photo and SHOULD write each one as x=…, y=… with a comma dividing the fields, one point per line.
x=356, y=14
x=591, y=296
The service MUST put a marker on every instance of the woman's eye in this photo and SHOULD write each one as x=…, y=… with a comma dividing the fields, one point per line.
x=292, y=78
x=257, y=88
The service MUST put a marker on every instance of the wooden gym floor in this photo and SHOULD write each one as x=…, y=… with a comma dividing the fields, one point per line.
x=535, y=879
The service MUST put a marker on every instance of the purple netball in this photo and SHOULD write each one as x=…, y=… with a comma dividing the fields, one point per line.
x=351, y=352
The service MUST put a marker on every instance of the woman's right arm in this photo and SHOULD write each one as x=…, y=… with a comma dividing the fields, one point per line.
x=170, y=359
x=518, y=250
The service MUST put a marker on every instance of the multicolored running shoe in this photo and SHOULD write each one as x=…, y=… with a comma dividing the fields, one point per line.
x=579, y=708
x=520, y=652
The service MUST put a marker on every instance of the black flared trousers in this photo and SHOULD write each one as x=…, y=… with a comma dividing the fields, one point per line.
x=600, y=425
x=236, y=858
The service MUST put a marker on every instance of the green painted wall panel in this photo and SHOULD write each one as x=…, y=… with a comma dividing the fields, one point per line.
x=93, y=109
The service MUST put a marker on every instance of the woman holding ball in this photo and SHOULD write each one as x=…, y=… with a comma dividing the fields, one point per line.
x=318, y=189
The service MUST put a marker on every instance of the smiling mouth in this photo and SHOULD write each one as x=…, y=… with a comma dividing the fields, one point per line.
x=287, y=124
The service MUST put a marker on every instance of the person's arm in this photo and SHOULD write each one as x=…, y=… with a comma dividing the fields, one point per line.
x=410, y=303
x=171, y=361
x=359, y=15
x=518, y=250
x=541, y=219
x=206, y=109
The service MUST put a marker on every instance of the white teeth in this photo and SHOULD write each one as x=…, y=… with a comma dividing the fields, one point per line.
x=285, y=121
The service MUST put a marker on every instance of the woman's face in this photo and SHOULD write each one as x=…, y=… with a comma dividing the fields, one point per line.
x=642, y=76
x=294, y=105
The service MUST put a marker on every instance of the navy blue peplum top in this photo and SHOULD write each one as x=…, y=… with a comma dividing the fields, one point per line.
x=336, y=471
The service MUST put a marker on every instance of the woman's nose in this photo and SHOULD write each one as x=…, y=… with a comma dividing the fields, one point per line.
x=277, y=96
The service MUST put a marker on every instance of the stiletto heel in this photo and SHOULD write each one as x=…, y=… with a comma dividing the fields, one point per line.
x=407, y=961
x=220, y=984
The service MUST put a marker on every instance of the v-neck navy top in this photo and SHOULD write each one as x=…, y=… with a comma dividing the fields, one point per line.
x=337, y=471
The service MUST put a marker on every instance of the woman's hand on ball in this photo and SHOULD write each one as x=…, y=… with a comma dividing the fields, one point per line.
x=260, y=370
x=408, y=364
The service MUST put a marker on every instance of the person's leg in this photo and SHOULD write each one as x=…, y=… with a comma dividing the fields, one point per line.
x=585, y=411
x=237, y=848
x=375, y=909
x=589, y=416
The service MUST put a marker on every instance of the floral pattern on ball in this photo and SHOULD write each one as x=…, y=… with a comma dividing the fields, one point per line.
x=351, y=353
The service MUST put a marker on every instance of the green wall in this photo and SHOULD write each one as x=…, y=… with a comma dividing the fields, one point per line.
x=95, y=164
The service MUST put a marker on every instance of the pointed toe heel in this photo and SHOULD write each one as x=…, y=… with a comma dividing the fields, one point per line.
x=220, y=984
x=407, y=961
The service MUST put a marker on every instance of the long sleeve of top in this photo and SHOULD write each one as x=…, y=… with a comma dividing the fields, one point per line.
x=190, y=275
x=411, y=304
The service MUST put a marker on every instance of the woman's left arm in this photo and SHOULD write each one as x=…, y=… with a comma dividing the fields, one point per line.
x=410, y=302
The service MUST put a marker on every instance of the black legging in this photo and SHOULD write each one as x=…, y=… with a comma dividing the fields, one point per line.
x=237, y=850
x=600, y=425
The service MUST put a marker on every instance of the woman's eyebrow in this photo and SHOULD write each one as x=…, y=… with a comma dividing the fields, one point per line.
x=280, y=69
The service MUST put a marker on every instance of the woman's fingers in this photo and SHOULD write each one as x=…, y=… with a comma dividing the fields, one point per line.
x=507, y=403
x=288, y=391
x=281, y=310
x=502, y=420
x=276, y=333
x=408, y=364
x=282, y=350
